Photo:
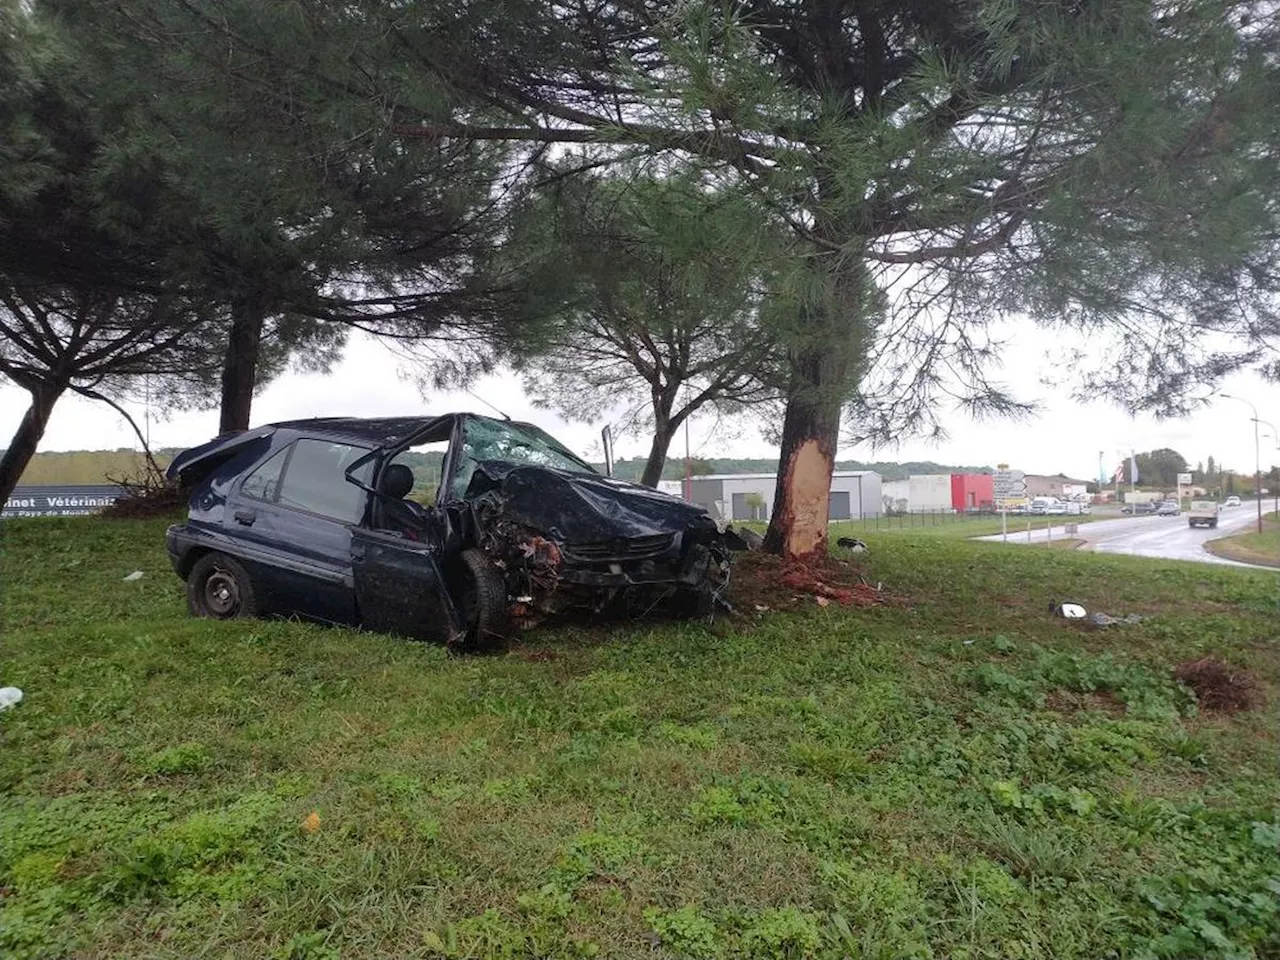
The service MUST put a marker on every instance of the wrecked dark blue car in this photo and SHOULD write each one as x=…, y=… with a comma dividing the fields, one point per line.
x=457, y=528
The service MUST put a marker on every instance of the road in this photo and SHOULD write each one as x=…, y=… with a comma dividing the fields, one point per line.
x=1169, y=538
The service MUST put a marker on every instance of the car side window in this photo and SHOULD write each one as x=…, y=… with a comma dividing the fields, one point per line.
x=316, y=480
x=264, y=482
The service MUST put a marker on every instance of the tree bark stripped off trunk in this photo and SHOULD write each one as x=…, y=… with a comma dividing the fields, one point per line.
x=240, y=366
x=834, y=328
x=810, y=433
x=27, y=437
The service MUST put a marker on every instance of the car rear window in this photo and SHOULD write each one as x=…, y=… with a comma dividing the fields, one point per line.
x=264, y=482
x=315, y=480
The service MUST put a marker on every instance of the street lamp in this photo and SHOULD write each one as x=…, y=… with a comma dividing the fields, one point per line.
x=1275, y=486
x=1257, y=456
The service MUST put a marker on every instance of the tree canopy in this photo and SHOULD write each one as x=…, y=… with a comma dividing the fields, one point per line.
x=1161, y=467
x=650, y=290
x=1105, y=168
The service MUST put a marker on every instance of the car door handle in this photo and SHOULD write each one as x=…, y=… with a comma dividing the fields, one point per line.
x=245, y=517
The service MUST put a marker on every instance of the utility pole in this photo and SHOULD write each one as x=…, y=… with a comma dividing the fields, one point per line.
x=688, y=465
x=1257, y=455
x=1273, y=476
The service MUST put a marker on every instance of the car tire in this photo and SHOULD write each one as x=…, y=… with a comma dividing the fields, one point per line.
x=482, y=601
x=219, y=588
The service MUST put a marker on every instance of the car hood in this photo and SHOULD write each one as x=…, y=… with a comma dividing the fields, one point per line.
x=581, y=508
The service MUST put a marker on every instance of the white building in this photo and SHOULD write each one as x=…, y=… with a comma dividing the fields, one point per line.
x=896, y=495
x=929, y=492
x=855, y=494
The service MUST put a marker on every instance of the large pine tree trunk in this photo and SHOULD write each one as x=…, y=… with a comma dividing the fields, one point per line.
x=240, y=366
x=810, y=433
x=27, y=437
x=663, y=431
x=835, y=329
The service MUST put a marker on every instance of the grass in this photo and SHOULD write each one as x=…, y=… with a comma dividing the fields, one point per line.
x=964, y=777
x=1252, y=547
x=952, y=526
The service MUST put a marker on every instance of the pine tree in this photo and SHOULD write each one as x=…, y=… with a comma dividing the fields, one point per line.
x=648, y=292
x=289, y=207
x=1103, y=167
x=1100, y=167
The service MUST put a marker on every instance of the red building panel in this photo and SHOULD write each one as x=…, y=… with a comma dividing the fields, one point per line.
x=972, y=491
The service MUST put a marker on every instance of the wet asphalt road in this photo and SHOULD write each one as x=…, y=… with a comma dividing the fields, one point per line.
x=1169, y=538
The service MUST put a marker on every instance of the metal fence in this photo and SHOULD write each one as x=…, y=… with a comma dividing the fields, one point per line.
x=925, y=518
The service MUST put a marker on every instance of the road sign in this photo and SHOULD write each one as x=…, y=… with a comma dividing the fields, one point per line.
x=1010, y=488
x=63, y=501
x=1184, y=479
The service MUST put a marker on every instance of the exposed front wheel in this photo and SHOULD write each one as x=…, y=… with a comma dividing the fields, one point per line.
x=482, y=601
x=219, y=588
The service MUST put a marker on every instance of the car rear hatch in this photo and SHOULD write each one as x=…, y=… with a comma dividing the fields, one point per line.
x=192, y=466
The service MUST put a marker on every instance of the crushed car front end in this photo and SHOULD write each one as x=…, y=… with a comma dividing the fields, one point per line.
x=575, y=542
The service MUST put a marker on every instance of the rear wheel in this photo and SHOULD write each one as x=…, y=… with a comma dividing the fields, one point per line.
x=219, y=588
x=482, y=601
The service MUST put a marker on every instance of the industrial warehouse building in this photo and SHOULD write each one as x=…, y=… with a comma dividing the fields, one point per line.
x=855, y=494
x=940, y=493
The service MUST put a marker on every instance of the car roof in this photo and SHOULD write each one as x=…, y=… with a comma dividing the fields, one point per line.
x=380, y=431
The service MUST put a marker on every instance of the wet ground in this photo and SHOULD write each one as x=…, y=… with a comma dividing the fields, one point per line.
x=1169, y=538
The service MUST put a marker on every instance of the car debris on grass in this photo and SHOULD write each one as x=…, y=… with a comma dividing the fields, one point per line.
x=1070, y=610
x=765, y=582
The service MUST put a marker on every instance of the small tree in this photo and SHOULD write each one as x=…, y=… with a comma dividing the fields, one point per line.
x=649, y=290
x=94, y=344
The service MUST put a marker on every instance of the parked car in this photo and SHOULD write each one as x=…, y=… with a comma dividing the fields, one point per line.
x=1231, y=502
x=313, y=517
x=1169, y=508
x=1142, y=508
x=1203, y=513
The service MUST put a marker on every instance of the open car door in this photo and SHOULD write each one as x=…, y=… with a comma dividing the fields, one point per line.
x=400, y=589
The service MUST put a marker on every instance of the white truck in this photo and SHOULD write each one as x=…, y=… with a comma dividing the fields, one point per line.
x=1203, y=513
x=1047, y=506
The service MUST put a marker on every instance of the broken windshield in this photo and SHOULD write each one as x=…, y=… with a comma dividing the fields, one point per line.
x=484, y=439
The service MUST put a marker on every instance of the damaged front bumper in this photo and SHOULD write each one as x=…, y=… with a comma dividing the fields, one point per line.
x=673, y=574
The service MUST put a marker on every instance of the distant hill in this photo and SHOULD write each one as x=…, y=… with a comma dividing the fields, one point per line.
x=100, y=466
x=86, y=467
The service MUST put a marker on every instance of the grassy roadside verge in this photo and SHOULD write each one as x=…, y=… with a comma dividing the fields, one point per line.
x=963, y=776
x=1252, y=547
x=950, y=526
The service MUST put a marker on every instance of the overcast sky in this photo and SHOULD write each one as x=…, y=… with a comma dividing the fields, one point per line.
x=370, y=381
